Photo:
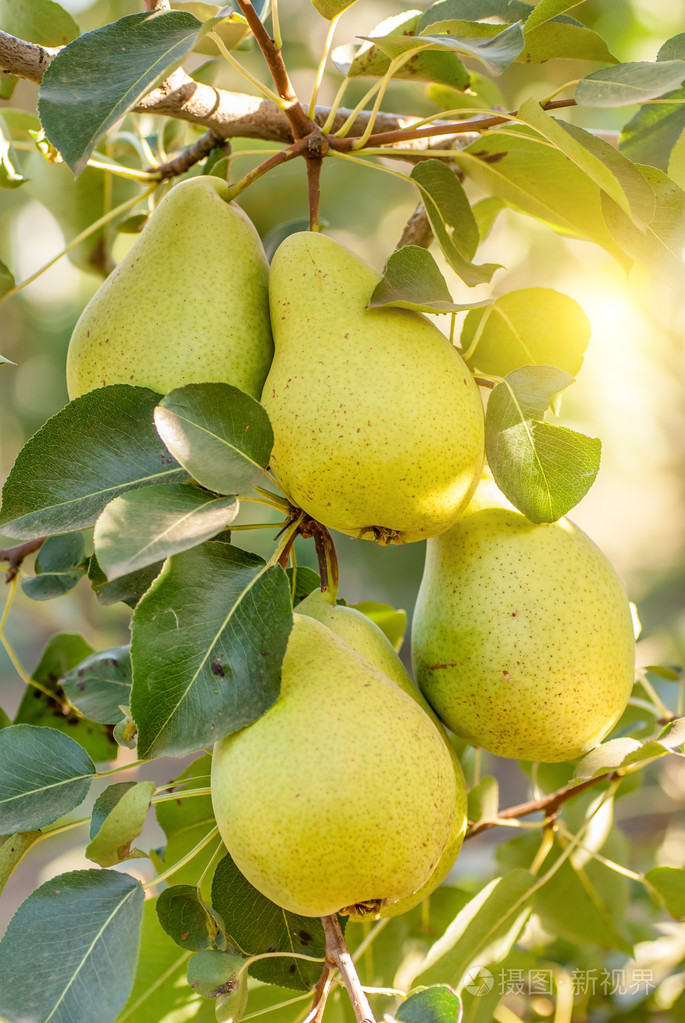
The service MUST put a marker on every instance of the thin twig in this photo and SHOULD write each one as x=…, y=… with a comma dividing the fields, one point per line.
x=550, y=804
x=15, y=555
x=299, y=122
x=190, y=156
x=338, y=955
x=418, y=230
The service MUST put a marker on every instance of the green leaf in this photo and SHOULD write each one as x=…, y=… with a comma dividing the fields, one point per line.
x=159, y=988
x=148, y=47
x=330, y=9
x=185, y=822
x=426, y=66
x=222, y=436
x=40, y=21
x=556, y=39
x=670, y=885
x=93, y=450
x=59, y=565
x=608, y=757
x=473, y=10
x=673, y=48
x=484, y=800
x=652, y=133
x=128, y=589
x=436, y=1004
x=625, y=84
x=43, y=775
x=12, y=850
x=544, y=470
x=231, y=29
x=186, y=918
x=100, y=685
x=258, y=925
x=62, y=653
x=541, y=182
x=530, y=327
x=93, y=918
x=548, y=9
x=452, y=220
x=119, y=813
x=659, y=248
x=306, y=580
x=11, y=175
x=609, y=169
x=6, y=284
x=144, y=526
x=495, y=53
x=213, y=973
x=391, y=622
x=412, y=280
x=482, y=932
x=207, y=644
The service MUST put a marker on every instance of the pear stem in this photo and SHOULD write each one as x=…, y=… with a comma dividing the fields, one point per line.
x=337, y=953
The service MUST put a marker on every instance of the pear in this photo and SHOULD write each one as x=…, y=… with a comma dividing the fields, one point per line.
x=188, y=304
x=523, y=638
x=378, y=423
x=341, y=796
x=369, y=641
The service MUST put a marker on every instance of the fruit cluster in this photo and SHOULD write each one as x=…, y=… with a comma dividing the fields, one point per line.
x=523, y=637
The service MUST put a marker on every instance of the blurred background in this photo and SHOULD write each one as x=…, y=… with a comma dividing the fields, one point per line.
x=630, y=392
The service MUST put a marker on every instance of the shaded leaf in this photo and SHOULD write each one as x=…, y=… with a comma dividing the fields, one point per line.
x=547, y=9
x=213, y=973
x=473, y=10
x=412, y=280
x=121, y=62
x=306, y=580
x=93, y=917
x=437, y=1004
x=652, y=133
x=159, y=988
x=59, y=565
x=222, y=436
x=452, y=220
x=541, y=182
x=186, y=918
x=128, y=588
x=6, y=284
x=43, y=775
x=231, y=29
x=258, y=925
x=63, y=652
x=119, y=813
x=482, y=932
x=94, y=449
x=100, y=685
x=426, y=66
x=544, y=470
x=609, y=169
x=12, y=850
x=673, y=48
x=530, y=327
x=625, y=84
x=484, y=800
x=670, y=884
x=207, y=644
x=145, y=526
x=495, y=53
x=40, y=21
x=185, y=822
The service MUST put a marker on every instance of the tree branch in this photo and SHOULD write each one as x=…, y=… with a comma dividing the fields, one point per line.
x=190, y=156
x=15, y=555
x=418, y=230
x=550, y=804
x=338, y=955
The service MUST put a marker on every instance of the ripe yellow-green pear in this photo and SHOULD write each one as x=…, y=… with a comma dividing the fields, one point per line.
x=188, y=303
x=523, y=638
x=341, y=797
x=377, y=421
x=369, y=641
